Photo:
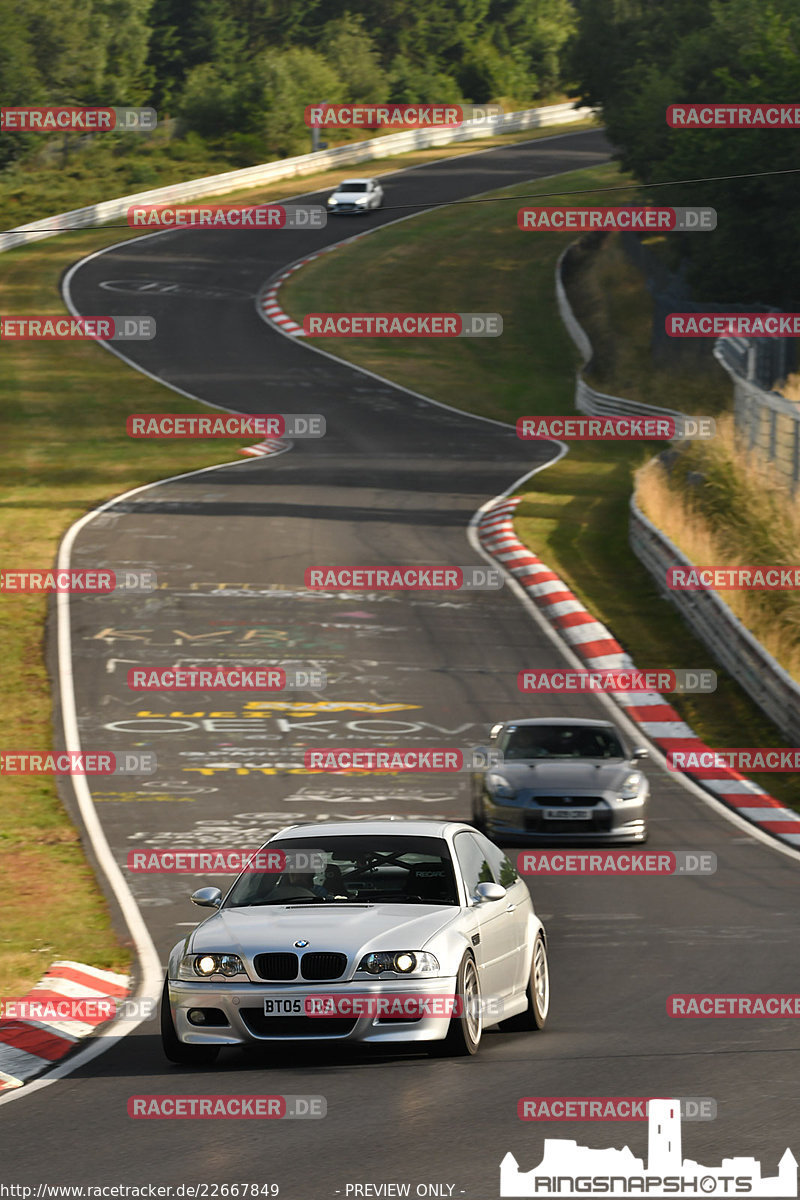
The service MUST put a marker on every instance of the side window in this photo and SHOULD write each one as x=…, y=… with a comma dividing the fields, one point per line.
x=472, y=861
x=503, y=869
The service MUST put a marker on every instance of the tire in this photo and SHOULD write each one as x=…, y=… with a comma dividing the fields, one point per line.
x=479, y=816
x=464, y=1033
x=176, y=1050
x=537, y=993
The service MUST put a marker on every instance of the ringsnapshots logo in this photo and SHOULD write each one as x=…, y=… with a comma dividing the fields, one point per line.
x=74, y=119
x=227, y=1108
x=74, y=762
x=733, y=116
x=617, y=862
x=616, y=429
x=642, y=217
x=403, y=325
x=403, y=579
x=224, y=679
x=376, y=759
x=568, y=1169
x=89, y=582
x=227, y=216
x=398, y=116
x=232, y=425
x=225, y=861
x=617, y=680
x=48, y=328
x=608, y=1108
x=719, y=578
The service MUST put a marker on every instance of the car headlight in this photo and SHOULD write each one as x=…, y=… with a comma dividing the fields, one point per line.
x=630, y=787
x=332, y=200
x=203, y=966
x=362, y=199
x=402, y=962
x=500, y=787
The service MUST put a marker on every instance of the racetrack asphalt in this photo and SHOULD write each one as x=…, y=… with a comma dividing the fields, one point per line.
x=396, y=480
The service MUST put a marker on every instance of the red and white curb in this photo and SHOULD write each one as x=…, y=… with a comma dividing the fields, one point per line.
x=267, y=302
x=265, y=448
x=599, y=650
x=29, y=1047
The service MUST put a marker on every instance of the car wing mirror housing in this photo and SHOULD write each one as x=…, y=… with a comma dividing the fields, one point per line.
x=207, y=897
x=640, y=752
x=489, y=891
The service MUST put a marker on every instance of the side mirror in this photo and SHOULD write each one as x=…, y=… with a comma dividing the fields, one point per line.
x=207, y=897
x=494, y=731
x=640, y=752
x=489, y=891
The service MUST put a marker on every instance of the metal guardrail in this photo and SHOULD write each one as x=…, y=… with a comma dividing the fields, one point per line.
x=587, y=399
x=303, y=164
x=731, y=643
x=768, y=421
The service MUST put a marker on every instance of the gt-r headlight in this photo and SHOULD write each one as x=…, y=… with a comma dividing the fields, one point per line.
x=402, y=962
x=500, y=787
x=203, y=966
x=630, y=786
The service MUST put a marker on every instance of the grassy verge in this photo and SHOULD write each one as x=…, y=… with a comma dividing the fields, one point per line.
x=64, y=451
x=575, y=515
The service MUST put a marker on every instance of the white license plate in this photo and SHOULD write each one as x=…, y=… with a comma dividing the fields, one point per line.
x=285, y=1006
x=567, y=814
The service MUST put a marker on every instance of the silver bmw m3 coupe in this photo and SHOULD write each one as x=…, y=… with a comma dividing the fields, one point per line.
x=376, y=931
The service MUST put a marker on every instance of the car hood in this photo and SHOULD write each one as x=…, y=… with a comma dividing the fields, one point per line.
x=538, y=775
x=350, y=929
x=349, y=196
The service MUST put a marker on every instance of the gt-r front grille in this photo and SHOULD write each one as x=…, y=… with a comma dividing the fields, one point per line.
x=276, y=966
x=295, y=1027
x=321, y=965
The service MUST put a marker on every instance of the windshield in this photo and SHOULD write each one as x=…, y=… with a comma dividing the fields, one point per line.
x=357, y=869
x=353, y=187
x=559, y=741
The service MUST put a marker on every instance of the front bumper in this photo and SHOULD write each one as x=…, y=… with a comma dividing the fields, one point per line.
x=609, y=822
x=242, y=1006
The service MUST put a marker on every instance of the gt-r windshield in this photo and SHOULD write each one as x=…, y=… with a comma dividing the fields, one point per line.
x=391, y=869
x=559, y=741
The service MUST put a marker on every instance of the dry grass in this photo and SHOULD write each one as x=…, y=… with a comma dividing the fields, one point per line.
x=735, y=515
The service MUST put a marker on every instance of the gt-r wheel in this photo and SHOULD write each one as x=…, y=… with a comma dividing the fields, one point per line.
x=464, y=1033
x=537, y=993
x=176, y=1050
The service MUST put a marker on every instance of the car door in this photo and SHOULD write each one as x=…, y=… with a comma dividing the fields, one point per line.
x=519, y=897
x=495, y=950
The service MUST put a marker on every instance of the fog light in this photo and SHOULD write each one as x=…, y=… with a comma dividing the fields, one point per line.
x=196, y=1016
